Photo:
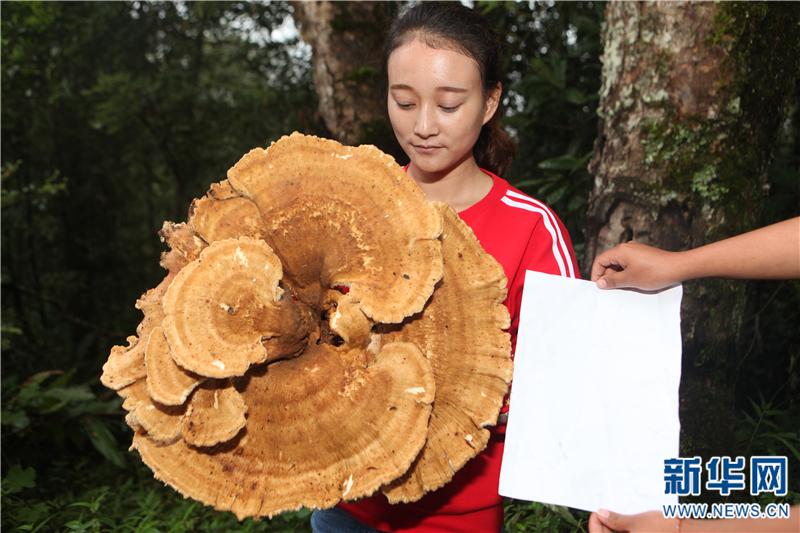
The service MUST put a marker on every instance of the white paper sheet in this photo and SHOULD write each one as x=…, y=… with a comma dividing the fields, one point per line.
x=594, y=402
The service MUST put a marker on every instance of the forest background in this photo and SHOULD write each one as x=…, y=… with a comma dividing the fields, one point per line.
x=115, y=115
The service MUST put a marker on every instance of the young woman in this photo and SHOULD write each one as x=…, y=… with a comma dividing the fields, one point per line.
x=443, y=98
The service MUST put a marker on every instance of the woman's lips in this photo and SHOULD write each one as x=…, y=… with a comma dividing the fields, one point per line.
x=426, y=149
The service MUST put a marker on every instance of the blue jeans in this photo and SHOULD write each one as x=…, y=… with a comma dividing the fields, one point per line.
x=337, y=521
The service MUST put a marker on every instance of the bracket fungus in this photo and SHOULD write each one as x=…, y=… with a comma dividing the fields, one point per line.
x=323, y=332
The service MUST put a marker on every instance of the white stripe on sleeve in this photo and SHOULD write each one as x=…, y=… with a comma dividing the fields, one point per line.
x=547, y=224
x=561, y=243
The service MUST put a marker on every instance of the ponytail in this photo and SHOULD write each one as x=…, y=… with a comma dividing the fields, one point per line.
x=494, y=150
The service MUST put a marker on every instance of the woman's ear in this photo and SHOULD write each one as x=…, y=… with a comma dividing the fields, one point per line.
x=492, y=102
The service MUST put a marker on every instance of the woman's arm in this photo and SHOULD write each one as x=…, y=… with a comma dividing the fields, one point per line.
x=772, y=252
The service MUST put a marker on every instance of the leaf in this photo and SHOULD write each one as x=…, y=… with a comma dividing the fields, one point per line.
x=78, y=525
x=62, y=396
x=30, y=392
x=95, y=407
x=564, y=162
x=18, y=479
x=34, y=516
x=552, y=74
x=38, y=378
x=15, y=419
x=785, y=441
x=96, y=502
x=555, y=196
x=103, y=441
x=565, y=514
x=574, y=96
x=576, y=203
x=10, y=330
x=534, y=183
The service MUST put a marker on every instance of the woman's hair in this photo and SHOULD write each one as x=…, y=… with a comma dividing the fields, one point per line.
x=451, y=26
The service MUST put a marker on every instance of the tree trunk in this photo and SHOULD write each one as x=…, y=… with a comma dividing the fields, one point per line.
x=347, y=43
x=690, y=104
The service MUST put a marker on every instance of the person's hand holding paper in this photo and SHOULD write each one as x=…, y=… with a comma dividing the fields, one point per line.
x=594, y=406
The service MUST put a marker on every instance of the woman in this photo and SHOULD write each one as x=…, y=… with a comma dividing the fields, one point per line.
x=443, y=99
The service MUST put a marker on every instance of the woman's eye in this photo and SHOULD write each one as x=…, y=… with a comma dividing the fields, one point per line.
x=402, y=105
x=449, y=109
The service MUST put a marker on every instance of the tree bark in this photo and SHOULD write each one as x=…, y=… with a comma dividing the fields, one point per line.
x=690, y=104
x=347, y=43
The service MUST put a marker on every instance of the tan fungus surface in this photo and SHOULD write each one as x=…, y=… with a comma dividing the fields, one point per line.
x=218, y=308
x=346, y=319
x=471, y=359
x=167, y=383
x=321, y=428
x=301, y=294
x=223, y=214
x=375, y=231
x=161, y=423
x=125, y=365
x=185, y=245
x=216, y=414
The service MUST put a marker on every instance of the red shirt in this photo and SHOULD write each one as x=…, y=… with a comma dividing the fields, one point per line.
x=522, y=234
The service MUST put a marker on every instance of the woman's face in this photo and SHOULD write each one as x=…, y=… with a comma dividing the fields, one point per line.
x=437, y=105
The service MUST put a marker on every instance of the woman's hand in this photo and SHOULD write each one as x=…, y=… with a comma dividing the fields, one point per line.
x=650, y=522
x=635, y=265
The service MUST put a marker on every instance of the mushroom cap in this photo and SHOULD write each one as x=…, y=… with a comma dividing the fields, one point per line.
x=185, y=245
x=223, y=213
x=167, y=383
x=349, y=216
x=461, y=332
x=330, y=425
x=220, y=306
x=215, y=415
x=161, y=423
x=125, y=365
x=346, y=319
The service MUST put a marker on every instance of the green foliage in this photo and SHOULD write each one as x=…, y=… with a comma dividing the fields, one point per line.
x=83, y=480
x=114, y=116
x=18, y=479
x=767, y=430
x=532, y=517
x=48, y=405
x=109, y=500
x=765, y=427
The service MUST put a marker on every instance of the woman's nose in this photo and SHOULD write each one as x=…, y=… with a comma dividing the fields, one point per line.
x=425, y=126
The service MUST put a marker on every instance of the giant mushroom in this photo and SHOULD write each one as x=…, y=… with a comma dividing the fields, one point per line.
x=324, y=332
